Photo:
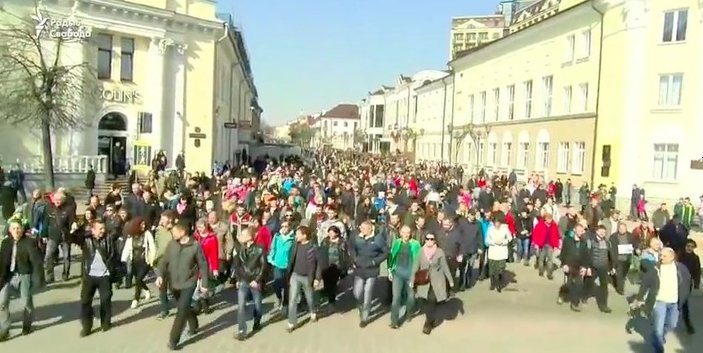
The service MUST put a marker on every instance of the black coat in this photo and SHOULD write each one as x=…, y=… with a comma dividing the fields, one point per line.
x=90, y=180
x=89, y=246
x=324, y=260
x=312, y=257
x=28, y=260
x=575, y=254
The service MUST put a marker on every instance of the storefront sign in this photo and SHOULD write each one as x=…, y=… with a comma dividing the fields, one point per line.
x=121, y=96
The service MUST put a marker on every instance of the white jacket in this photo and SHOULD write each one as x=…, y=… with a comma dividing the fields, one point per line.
x=498, y=239
x=149, y=249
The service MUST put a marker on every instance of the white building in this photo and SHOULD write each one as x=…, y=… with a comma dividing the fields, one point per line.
x=372, y=110
x=171, y=76
x=433, y=119
x=338, y=126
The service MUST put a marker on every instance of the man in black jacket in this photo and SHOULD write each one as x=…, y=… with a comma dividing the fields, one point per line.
x=304, y=273
x=576, y=262
x=21, y=270
x=60, y=216
x=248, y=264
x=469, y=242
x=98, y=253
x=367, y=251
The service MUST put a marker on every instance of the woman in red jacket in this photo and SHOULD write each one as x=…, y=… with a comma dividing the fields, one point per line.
x=262, y=235
x=546, y=239
x=211, y=249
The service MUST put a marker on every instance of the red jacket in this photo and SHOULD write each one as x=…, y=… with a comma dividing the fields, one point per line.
x=263, y=238
x=544, y=234
x=211, y=249
x=510, y=221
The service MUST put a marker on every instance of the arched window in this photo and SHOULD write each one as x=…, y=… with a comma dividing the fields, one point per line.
x=113, y=122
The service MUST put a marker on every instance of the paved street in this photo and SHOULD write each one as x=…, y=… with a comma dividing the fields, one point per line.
x=523, y=318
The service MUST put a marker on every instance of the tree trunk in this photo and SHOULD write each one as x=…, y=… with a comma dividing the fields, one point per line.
x=47, y=155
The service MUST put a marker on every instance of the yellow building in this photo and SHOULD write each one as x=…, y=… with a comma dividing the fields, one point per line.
x=649, y=128
x=173, y=77
x=471, y=31
x=527, y=102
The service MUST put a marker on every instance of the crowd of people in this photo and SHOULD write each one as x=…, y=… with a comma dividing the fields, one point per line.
x=298, y=228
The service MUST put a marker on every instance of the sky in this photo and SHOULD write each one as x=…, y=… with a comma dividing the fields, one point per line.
x=309, y=55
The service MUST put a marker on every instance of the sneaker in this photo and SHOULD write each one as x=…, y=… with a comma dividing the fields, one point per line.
x=575, y=308
x=240, y=336
x=363, y=324
x=313, y=317
x=173, y=346
x=146, y=294
x=256, y=327
x=290, y=328
x=135, y=304
x=394, y=326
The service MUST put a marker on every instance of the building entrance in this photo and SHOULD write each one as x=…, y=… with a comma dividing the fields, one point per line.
x=112, y=142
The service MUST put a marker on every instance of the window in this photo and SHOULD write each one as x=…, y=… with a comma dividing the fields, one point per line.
x=335, y=123
x=585, y=44
x=104, y=42
x=472, y=108
x=493, y=157
x=670, y=86
x=523, y=155
x=528, y=99
x=666, y=160
x=346, y=124
x=548, y=86
x=542, y=155
x=578, y=161
x=458, y=36
x=496, y=35
x=675, y=24
x=472, y=36
x=483, y=36
x=483, y=107
x=145, y=123
x=563, y=158
x=570, y=48
x=496, y=104
x=127, y=59
x=506, y=155
x=511, y=102
x=355, y=126
x=567, y=99
x=583, y=88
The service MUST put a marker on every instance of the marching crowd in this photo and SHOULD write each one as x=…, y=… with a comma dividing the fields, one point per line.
x=300, y=227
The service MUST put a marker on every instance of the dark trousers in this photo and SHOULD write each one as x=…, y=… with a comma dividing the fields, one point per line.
x=330, y=280
x=280, y=285
x=621, y=271
x=601, y=293
x=466, y=271
x=686, y=312
x=89, y=286
x=575, y=285
x=163, y=297
x=483, y=265
x=140, y=270
x=184, y=314
x=431, y=306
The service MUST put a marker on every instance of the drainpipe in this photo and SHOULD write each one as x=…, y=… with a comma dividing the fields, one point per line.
x=600, y=72
x=215, y=108
x=444, y=117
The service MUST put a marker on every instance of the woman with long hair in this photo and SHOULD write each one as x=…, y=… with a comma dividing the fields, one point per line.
x=433, y=275
x=278, y=258
x=334, y=262
x=139, y=251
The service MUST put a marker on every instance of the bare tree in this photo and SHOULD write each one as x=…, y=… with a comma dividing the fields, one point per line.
x=40, y=86
x=476, y=132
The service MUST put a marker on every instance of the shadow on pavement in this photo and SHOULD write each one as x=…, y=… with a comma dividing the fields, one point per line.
x=70, y=312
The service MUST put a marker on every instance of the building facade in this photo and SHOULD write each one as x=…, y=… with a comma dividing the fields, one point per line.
x=373, y=121
x=471, y=31
x=433, y=119
x=169, y=75
x=526, y=102
x=650, y=116
x=338, y=127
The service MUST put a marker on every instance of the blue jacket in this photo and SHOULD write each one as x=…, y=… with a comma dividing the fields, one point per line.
x=485, y=225
x=280, y=250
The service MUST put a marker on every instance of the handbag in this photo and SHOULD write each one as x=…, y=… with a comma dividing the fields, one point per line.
x=422, y=277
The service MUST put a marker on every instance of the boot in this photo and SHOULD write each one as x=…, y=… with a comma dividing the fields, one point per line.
x=499, y=283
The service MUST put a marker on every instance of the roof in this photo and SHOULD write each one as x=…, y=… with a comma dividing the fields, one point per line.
x=342, y=111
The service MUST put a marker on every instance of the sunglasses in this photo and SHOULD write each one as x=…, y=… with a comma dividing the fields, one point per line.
x=430, y=239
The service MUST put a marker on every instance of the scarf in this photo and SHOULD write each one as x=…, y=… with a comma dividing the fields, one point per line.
x=429, y=251
x=180, y=208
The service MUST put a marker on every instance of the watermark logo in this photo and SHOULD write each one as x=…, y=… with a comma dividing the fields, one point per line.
x=65, y=29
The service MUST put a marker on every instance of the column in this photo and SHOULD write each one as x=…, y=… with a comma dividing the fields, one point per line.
x=155, y=95
x=630, y=172
x=179, y=99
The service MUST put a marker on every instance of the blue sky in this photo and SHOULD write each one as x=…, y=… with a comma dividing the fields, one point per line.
x=309, y=55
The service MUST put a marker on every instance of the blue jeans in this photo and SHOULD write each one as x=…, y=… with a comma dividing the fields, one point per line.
x=402, y=289
x=298, y=282
x=244, y=289
x=279, y=285
x=665, y=316
x=23, y=284
x=363, y=292
x=466, y=271
x=163, y=298
x=523, y=249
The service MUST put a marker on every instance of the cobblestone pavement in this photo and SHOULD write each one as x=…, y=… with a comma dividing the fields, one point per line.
x=523, y=318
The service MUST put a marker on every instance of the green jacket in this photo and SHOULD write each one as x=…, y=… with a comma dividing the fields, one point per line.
x=415, y=248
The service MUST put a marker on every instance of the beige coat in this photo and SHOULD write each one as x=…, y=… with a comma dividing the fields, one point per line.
x=439, y=275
